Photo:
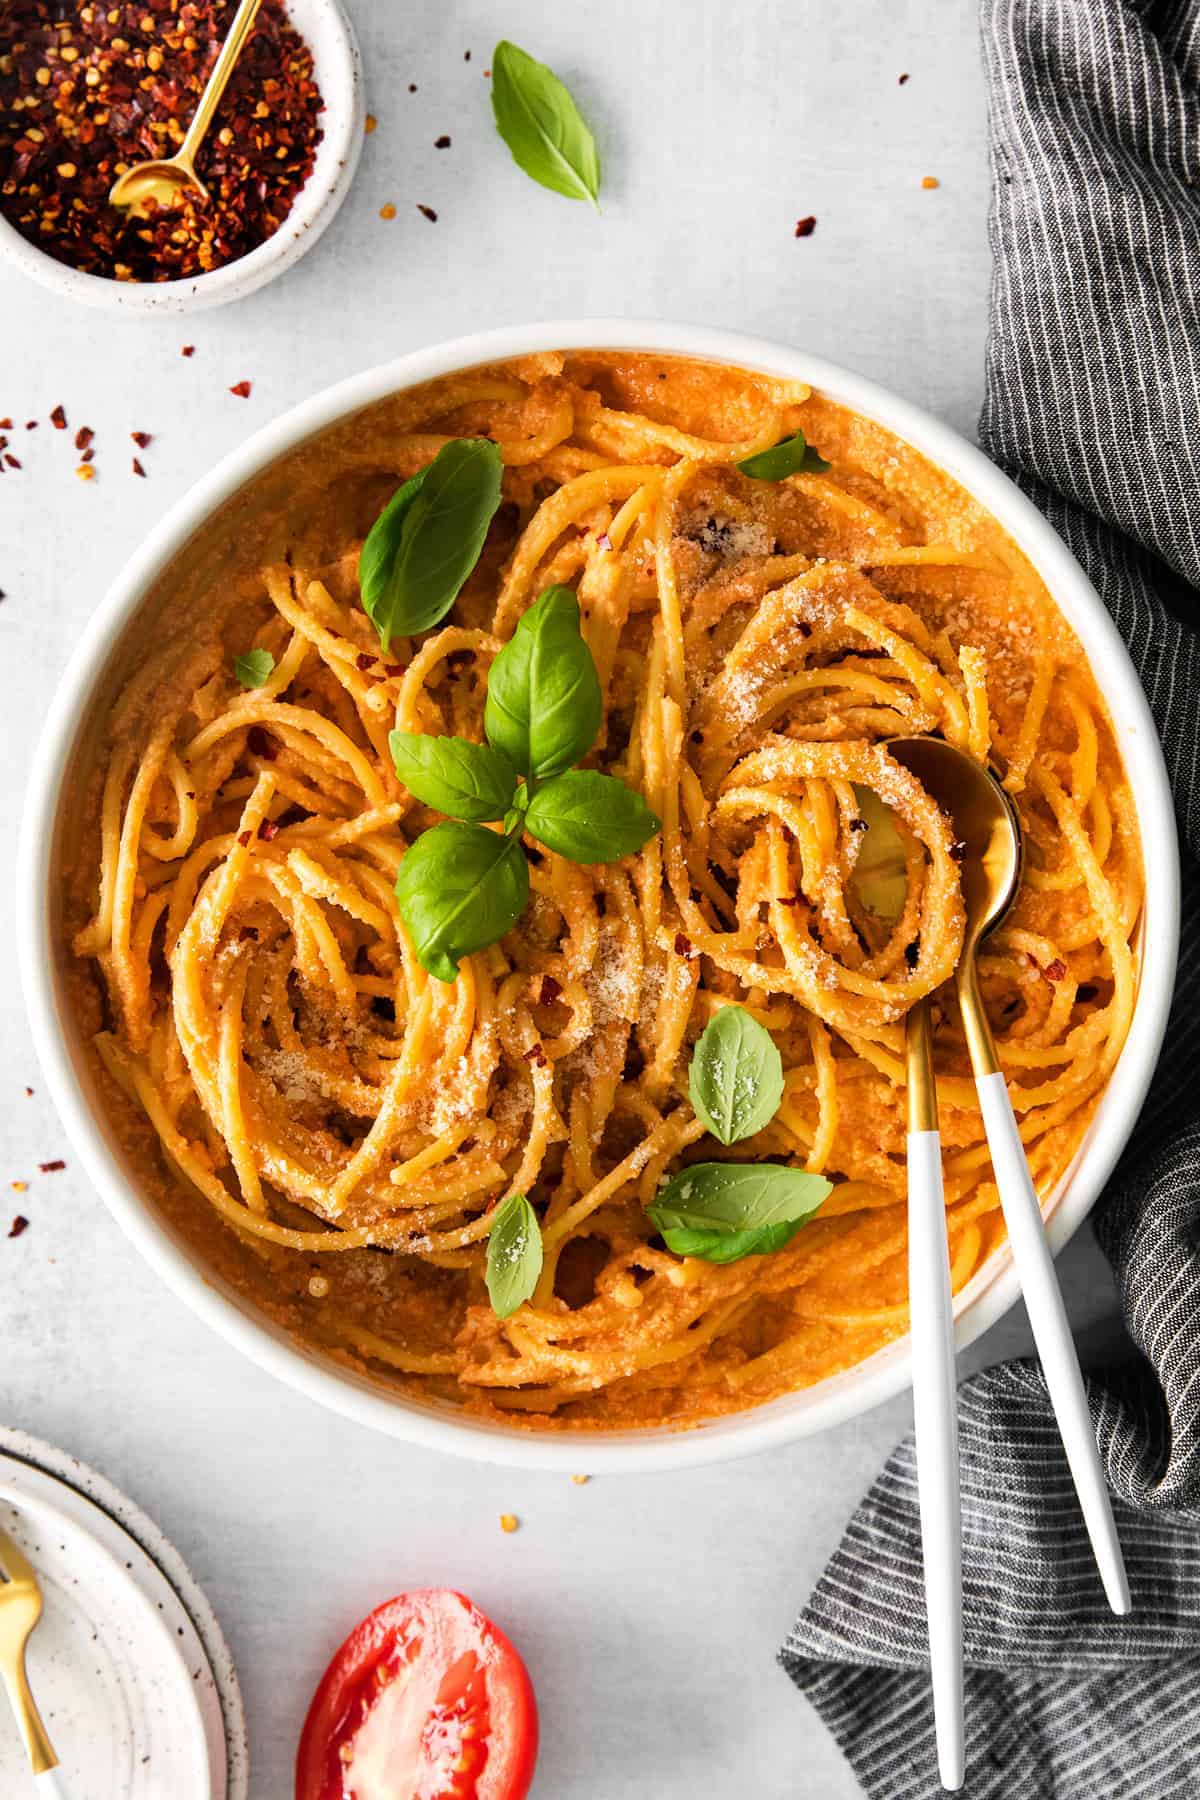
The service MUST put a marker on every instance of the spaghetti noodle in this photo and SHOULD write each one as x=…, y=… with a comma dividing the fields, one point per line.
x=352, y=1123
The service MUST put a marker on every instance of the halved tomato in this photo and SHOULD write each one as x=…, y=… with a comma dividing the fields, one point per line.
x=425, y=1700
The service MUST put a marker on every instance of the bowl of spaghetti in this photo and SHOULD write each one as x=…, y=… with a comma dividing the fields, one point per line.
x=310, y=1125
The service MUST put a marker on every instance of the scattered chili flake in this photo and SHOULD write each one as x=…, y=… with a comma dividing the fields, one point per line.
x=52, y=1168
x=388, y=211
x=442, y=143
x=466, y=56
x=29, y=1093
x=393, y=668
x=789, y=899
x=138, y=469
x=83, y=437
x=684, y=947
x=58, y=419
x=369, y=123
x=603, y=540
x=5, y=424
x=241, y=389
x=902, y=80
x=19, y=1187
x=508, y=1521
x=427, y=212
x=1055, y=971
x=580, y=1480
x=89, y=455
x=188, y=350
x=31, y=424
x=412, y=87
x=86, y=95
x=930, y=181
x=21, y=1223
x=551, y=990
x=11, y=460
x=142, y=439
x=364, y=661
x=243, y=838
x=806, y=227
x=86, y=472
x=487, y=74
x=268, y=830
x=535, y=1054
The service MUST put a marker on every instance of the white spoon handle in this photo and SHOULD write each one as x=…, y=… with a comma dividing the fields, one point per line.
x=935, y=1414
x=1052, y=1332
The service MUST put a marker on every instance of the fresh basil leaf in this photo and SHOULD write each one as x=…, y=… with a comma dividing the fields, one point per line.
x=736, y=1076
x=730, y=1246
x=255, y=668
x=736, y=1197
x=543, y=701
x=428, y=538
x=460, y=888
x=514, y=1255
x=791, y=456
x=589, y=817
x=467, y=781
x=881, y=870
x=541, y=124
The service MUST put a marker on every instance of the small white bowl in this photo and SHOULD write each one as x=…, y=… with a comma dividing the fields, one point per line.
x=337, y=67
x=64, y=1054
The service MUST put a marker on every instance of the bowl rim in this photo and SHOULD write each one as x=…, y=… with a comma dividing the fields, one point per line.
x=326, y=27
x=776, y=1422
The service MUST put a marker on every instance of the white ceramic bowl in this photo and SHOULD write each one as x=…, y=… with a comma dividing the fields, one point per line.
x=337, y=66
x=63, y=1054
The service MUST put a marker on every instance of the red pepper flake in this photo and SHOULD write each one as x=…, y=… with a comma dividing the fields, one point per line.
x=85, y=472
x=427, y=212
x=99, y=86
x=535, y=1054
x=19, y=1187
x=31, y=424
x=58, y=419
x=412, y=87
x=142, y=439
x=902, y=81
x=11, y=460
x=138, y=469
x=442, y=143
x=243, y=838
x=370, y=123
x=268, y=830
x=603, y=540
x=805, y=227
x=88, y=455
x=29, y=1093
x=241, y=389
x=188, y=350
x=388, y=211
x=789, y=899
x=930, y=181
x=550, y=990
x=52, y=1168
x=393, y=669
x=6, y=424
x=364, y=661
x=684, y=947
x=83, y=437
x=19, y=1224
x=466, y=56
x=1055, y=971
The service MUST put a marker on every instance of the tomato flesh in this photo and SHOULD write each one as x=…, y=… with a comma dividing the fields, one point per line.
x=425, y=1700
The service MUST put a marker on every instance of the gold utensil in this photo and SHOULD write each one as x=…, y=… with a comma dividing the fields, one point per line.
x=20, y=1610
x=986, y=824
x=165, y=180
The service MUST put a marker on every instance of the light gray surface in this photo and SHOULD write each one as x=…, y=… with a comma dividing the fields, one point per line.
x=649, y=1611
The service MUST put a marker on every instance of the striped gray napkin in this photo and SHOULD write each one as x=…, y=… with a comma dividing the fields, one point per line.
x=1093, y=404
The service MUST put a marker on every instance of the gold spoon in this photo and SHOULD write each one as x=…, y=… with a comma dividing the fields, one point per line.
x=163, y=181
x=20, y=1610
x=985, y=822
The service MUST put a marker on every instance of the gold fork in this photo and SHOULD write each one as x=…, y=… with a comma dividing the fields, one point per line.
x=20, y=1610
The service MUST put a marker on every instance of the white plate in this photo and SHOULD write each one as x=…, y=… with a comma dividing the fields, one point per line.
x=131, y=1672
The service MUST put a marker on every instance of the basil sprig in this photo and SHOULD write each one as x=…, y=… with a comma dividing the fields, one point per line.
x=514, y=1255
x=735, y=1081
x=790, y=456
x=428, y=537
x=461, y=886
x=542, y=126
x=721, y=1212
x=254, y=668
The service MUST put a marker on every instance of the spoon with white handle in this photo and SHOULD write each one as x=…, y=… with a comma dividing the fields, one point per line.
x=985, y=823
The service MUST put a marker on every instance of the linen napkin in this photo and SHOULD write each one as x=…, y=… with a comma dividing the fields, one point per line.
x=1093, y=405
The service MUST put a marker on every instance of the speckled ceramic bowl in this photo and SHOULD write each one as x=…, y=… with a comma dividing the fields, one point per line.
x=327, y=30
x=95, y=667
